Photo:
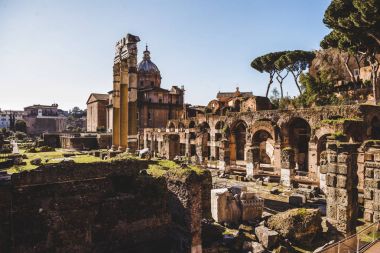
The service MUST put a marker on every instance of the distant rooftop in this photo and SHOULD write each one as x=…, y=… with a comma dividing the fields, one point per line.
x=41, y=106
x=237, y=93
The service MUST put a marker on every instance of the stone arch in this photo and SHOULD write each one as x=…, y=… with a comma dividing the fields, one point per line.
x=265, y=125
x=264, y=140
x=298, y=134
x=181, y=126
x=191, y=124
x=204, y=139
x=321, y=146
x=237, y=140
x=219, y=125
x=171, y=126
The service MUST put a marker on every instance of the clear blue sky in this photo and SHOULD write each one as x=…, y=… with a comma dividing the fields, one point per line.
x=61, y=51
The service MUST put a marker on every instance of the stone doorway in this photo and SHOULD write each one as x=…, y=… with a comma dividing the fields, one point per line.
x=299, y=137
x=265, y=142
x=237, y=142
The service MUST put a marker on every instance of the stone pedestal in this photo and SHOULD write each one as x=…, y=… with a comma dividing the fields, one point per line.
x=323, y=165
x=341, y=181
x=253, y=161
x=224, y=155
x=312, y=161
x=287, y=167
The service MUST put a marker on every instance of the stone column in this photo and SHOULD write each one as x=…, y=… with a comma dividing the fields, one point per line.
x=224, y=154
x=145, y=139
x=212, y=145
x=253, y=160
x=323, y=168
x=372, y=184
x=133, y=125
x=277, y=158
x=123, y=106
x=287, y=167
x=116, y=107
x=312, y=161
x=187, y=144
x=152, y=143
x=341, y=180
x=199, y=147
x=159, y=146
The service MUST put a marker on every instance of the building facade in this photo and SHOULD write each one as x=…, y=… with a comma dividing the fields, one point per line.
x=44, y=119
x=9, y=117
x=97, y=112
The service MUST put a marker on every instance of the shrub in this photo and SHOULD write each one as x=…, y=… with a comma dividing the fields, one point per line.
x=20, y=135
x=46, y=149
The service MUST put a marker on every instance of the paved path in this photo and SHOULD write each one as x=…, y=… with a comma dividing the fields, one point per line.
x=374, y=249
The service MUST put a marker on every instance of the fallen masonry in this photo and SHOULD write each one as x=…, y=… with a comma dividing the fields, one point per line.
x=235, y=205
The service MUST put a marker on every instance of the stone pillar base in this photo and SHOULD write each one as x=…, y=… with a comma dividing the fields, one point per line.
x=287, y=176
x=121, y=149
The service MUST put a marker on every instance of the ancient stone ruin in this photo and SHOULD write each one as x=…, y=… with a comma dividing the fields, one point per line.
x=235, y=205
x=103, y=207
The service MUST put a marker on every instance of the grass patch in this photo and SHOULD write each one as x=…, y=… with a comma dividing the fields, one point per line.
x=50, y=158
x=161, y=167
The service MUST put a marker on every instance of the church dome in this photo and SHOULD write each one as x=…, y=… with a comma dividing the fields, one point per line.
x=146, y=66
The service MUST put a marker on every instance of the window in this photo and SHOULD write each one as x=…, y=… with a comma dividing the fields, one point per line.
x=152, y=83
x=160, y=101
x=149, y=116
x=141, y=83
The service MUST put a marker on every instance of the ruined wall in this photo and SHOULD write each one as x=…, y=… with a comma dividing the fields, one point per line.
x=342, y=180
x=79, y=143
x=36, y=126
x=372, y=182
x=100, y=207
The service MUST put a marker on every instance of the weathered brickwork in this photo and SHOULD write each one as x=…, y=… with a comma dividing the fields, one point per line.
x=341, y=181
x=372, y=182
x=101, y=207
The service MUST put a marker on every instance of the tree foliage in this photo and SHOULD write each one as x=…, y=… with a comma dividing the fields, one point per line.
x=266, y=63
x=295, y=62
x=20, y=126
x=280, y=64
x=76, y=112
x=318, y=89
x=355, y=28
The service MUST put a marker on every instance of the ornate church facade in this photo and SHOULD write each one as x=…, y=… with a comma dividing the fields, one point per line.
x=137, y=100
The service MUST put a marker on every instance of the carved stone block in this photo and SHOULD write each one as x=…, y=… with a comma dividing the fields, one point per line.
x=368, y=205
x=343, y=214
x=368, y=195
x=331, y=211
x=331, y=180
x=369, y=173
x=368, y=157
x=332, y=158
x=376, y=174
x=342, y=169
x=332, y=168
x=368, y=216
x=341, y=182
x=323, y=169
x=343, y=198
